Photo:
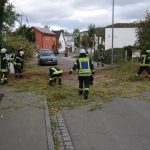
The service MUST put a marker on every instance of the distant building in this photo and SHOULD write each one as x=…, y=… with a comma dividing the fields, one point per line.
x=122, y=37
x=69, y=38
x=61, y=43
x=45, y=39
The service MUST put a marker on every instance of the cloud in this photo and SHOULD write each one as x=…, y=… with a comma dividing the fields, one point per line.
x=71, y=14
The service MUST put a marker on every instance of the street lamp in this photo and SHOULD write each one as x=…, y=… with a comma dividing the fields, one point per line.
x=112, y=55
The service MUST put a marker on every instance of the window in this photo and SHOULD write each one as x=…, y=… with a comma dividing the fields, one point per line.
x=46, y=38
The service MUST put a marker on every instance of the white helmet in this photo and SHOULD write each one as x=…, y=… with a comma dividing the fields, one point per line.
x=3, y=50
x=21, y=53
x=82, y=51
x=147, y=51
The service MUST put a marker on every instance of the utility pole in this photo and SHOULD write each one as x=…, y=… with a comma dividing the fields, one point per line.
x=112, y=55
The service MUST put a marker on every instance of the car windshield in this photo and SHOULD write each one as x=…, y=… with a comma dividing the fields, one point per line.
x=48, y=53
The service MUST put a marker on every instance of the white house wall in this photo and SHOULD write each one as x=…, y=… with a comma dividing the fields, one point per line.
x=70, y=41
x=62, y=42
x=122, y=37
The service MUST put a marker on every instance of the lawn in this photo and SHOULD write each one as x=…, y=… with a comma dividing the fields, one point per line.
x=108, y=83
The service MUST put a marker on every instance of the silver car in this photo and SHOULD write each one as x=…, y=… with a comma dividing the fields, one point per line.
x=46, y=57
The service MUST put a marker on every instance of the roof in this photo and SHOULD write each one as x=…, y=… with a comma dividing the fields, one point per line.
x=44, y=30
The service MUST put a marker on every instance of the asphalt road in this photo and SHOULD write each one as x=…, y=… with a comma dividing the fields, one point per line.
x=64, y=63
x=123, y=124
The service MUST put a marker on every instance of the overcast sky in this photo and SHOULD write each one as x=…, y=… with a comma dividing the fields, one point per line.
x=71, y=14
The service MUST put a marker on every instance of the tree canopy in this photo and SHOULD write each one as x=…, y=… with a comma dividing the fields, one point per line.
x=91, y=33
x=143, y=33
x=77, y=41
x=8, y=16
x=26, y=32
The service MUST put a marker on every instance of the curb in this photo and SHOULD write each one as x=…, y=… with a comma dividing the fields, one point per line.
x=50, y=141
x=64, y=136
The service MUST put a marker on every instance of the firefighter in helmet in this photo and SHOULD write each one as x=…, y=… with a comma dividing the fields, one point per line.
x=17, y=61
x=4, y=66
x=54, y=74
x=21, y=53
x=85, y=67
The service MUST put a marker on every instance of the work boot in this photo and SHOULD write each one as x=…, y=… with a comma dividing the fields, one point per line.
x=16, y=76
x=80, y=92
x=5, y=81
x=2, y=83
x=54, y=80
x=20, y=76
x=59, y=81
x=51, y=83
x=86, y=94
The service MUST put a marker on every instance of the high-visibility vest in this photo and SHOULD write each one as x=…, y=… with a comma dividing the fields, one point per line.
x=84, y=67
x=56, y=71
x=4, y=70
x=145, y=60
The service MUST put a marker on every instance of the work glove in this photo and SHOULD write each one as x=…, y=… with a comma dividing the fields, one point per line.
x=93, y=73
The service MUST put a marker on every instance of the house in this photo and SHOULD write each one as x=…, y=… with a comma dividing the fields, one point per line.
x=45, y=39
x=60, y=41
x=122, y=37
x=70, y=44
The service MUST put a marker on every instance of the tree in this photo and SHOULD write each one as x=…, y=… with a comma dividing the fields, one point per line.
x=14, y=43
x=2, y=7
x=85, y=42
x=26, y=32
x=47, y=27
x=143, y=33
x=8, y=16
x=91, y=33
x=77, y=40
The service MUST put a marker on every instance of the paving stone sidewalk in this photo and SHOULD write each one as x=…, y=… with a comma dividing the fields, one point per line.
x=24, y=122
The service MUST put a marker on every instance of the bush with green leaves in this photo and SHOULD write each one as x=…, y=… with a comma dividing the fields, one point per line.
x=15, y=42
x=118, y=55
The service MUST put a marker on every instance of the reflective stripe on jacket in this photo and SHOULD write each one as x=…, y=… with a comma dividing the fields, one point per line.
x=4, y=70
x=56, y=71
x=145, y=60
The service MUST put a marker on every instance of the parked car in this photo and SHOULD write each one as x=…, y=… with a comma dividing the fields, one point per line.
x=46, y=57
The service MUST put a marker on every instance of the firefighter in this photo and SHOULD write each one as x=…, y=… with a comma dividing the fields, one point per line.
x=21, y=52
x=101, y=59
x=17, y=61
x=54, y=74
x=85, y=67
x=4, y=66
x=144, y=64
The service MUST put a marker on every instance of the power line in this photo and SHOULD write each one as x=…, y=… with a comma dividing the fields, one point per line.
x=22, y=14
